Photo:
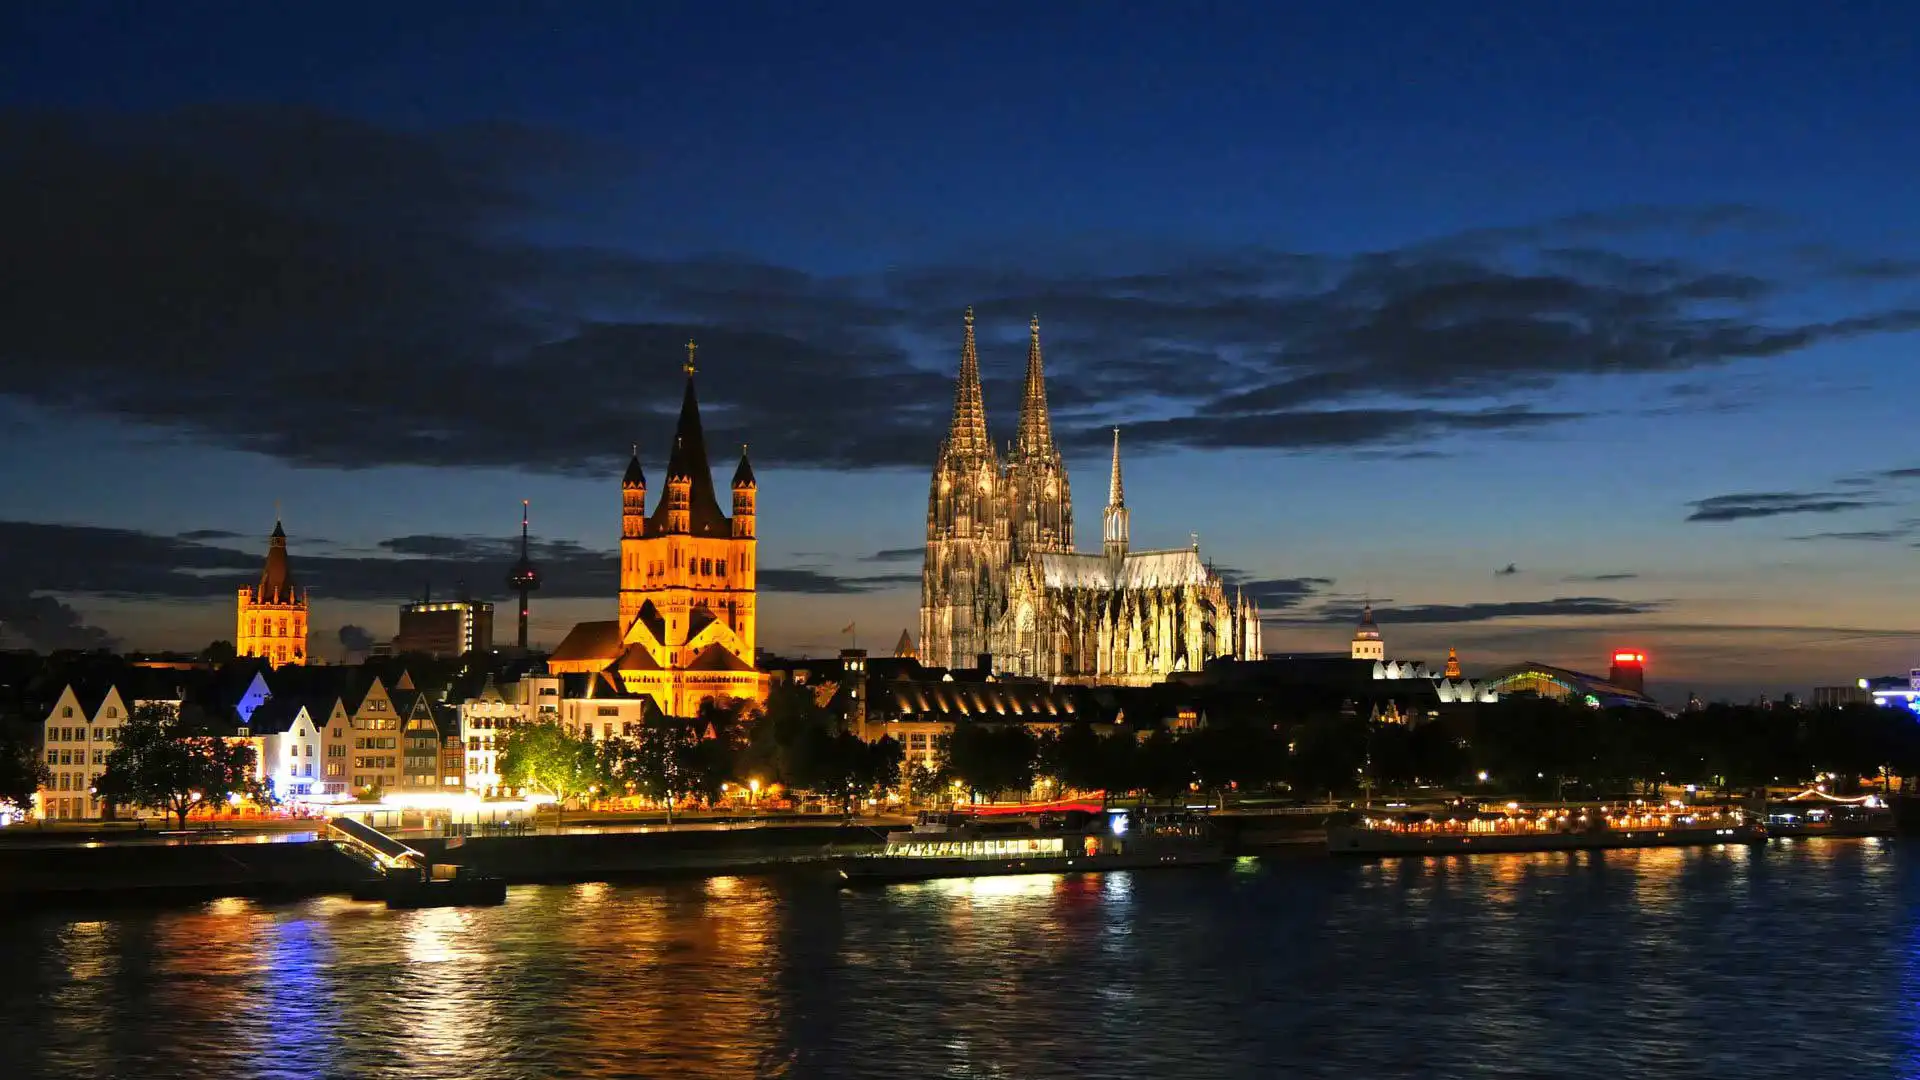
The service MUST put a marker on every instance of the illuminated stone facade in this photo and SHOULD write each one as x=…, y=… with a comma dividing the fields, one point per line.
x=686, y=624
x=1001, y=577
x=272, y=615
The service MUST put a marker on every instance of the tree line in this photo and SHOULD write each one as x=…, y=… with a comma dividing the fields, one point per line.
x=1522, y=747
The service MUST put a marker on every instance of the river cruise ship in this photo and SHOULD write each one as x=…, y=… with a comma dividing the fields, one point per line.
x=954, y=845
x=1469, y=832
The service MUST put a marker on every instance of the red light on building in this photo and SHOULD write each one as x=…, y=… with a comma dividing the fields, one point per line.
x=1629, y=670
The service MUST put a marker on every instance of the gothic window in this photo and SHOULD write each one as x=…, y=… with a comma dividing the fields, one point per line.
x=720, y=567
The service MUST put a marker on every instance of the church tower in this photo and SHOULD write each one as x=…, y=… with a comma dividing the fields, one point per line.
x=686, y=615
x=634, y=570
x=1113, y=533
x=272, y=615
x=963, y=581
x=1039, y=507
x=1366, y=640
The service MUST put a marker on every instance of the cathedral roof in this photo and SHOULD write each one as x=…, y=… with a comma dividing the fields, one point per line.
x=637, y=658
x=715, y=657
x=1138, y=570
x=904, y=648
x=689, y=460
x=598, y=640
x=636, y=476
x=743, y=475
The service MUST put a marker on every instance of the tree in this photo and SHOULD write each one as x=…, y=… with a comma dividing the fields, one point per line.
x=924, y=785
x=219, y=652
x=21, y=771
x=1073, y=759
x=990, y=758
x=543, y=757
x=790, y=738
x=659, y=763
x=876, y=766
x=164, y=763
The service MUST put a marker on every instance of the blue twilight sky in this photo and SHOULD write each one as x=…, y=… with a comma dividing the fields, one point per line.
x=1387, y=299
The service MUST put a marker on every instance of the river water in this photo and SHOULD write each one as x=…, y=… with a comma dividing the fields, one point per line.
x=1798, y=959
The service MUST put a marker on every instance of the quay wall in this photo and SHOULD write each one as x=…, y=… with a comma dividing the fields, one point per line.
x=45, y=875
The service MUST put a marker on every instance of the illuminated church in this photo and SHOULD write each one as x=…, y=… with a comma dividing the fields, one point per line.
x=271, y=620
x=685, y=630
x=1002, y=578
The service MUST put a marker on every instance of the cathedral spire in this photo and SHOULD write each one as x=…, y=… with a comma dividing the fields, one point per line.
x=688, y=462
x=968, y=435
x=1114, y=534
x=1035, y=435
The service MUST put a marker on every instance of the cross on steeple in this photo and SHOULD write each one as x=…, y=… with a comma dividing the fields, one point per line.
x=690, y=350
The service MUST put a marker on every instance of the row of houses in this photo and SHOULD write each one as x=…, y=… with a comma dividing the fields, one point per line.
x=317, y=732
x=329, y=734
x=325, y=734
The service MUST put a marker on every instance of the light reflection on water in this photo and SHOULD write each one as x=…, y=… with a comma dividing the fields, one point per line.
x=1798, y=958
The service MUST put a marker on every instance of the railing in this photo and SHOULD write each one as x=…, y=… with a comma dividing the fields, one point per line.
x=372, y=845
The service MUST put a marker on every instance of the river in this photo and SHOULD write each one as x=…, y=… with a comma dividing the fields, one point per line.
x=1797, y=959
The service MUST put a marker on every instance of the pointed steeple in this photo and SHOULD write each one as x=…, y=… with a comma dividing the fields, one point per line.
x=636, y=477
x=1114, y=535
x=968, y=435
x=1035, y=434
x=688, y=461
x=743, y=474
x=276, y=576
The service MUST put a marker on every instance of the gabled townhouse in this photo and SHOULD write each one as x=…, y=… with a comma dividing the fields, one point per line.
x=80, y=730
x=286, y=731
x=373, y=726
x=419, y=742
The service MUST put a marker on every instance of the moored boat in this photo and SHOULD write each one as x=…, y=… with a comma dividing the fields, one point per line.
x=951, y=845
x=1587, y=828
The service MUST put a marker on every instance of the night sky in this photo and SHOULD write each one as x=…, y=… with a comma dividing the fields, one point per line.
x=1549, y=334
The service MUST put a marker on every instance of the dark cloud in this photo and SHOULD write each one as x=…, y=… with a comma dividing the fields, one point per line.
x=31, y=620
x=124, y=563
x=911, y=554
x=355, y=638
x=233, y=274
x=1564, y=606
x=1599, y=578
x=1277, y=594
x=199, y=535
x=1761, y=504
x=1892, y=534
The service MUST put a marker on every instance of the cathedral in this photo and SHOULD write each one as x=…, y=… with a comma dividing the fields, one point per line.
x=1002, y=578
x=685, y=629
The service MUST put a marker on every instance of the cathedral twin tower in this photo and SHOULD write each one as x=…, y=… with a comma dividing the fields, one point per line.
x=1002, y=579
